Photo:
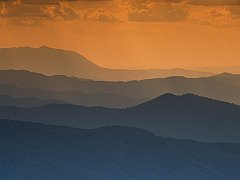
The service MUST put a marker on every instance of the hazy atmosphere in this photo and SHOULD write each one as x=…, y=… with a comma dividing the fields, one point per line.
x=119, y=89
x=131, y=34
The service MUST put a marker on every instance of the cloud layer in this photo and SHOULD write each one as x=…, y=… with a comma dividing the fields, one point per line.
x=26, y=12
x=214, y=2
x=32, y=13
x=157, y=11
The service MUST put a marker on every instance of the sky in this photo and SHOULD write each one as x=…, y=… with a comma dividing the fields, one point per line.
x=133, y=34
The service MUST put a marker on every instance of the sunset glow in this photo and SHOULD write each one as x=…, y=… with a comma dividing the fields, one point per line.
x=135, y=34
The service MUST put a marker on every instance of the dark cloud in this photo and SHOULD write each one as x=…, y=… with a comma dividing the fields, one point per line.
x=27, y=12
x=40, y=2
x=35, y=11
x=214, y=2
x=39, y=9
x=234, y=10
x=157, y=11
x=18, y=10
x=101, y=15
x=193, y=2
x=200, y=2
x=61, y=11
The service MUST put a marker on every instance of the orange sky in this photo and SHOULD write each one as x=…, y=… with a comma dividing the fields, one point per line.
x=129, y=33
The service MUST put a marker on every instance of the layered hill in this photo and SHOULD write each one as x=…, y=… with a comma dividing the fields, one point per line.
x=223, y=87
x=220, y=69
x=232, y=79
x=183, y=117
x=35, y=151
x=56, y=61
x=26, y=102
x=31, y=97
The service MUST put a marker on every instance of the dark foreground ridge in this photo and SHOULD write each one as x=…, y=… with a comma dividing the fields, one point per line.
x=35, y=151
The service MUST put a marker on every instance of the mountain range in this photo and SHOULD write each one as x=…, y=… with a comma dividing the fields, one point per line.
x=26, y=102
x=36, y=151
x=235, y=69
x=182, y=117
x=63, y=117
x=24, y=97
x=24, y=84
x=56, y=61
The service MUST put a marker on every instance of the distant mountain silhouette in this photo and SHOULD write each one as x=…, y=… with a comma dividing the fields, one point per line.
x=184, y=117
x=26, y=102
x=55, y=61
x=35, y=151
x=221, y=69
x=223, y=87
x=228, y=78
x=69, y=97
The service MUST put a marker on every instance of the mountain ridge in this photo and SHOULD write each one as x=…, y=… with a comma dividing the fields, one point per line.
x=194, y=117
x=38, y=151
x=216, y=87
x=6, y=100
x=70, y=97
x=52, y=61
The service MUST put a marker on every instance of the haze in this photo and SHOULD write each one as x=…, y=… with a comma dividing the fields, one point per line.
x=135, y=34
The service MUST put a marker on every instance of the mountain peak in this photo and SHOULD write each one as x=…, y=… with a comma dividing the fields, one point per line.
x=169, y=96
x=53, y=61
x=169, y=99
x=226, y=75
x=44, y=47
x=47, y=48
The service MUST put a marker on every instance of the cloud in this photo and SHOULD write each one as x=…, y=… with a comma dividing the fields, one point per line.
x=101, y=15
x=158, y=11
x=39, y=2
x=44, y=9
x=204, y=2
x=219, y=18
x=214, y=2
x=60, y=11
x=37, y=12
x=234, y=10
x=25, y=22
x=19, y=10
x=27, y=11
